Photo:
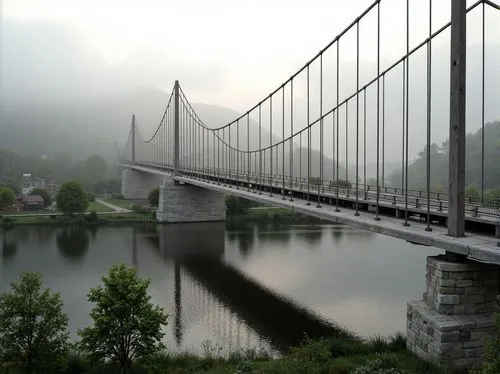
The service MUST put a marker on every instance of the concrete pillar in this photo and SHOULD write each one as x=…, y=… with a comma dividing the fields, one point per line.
x=188, y=203
x=449, y=325
x=136, y=184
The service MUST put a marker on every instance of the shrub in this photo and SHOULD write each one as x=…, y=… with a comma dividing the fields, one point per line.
x=154, y=197
x=397, y=342
x=92, y=217
x=491, y=358
x=385, y=363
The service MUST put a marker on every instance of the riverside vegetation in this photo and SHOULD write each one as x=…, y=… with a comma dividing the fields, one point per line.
x=126, y=337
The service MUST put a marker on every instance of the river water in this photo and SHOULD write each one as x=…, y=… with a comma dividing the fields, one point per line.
x=238, y=286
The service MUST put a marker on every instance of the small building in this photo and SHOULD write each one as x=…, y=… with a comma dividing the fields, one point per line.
x=29, y=183
x=52, y=187
x=32, y=202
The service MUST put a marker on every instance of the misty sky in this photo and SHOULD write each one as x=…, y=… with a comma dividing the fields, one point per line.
x=227, y=53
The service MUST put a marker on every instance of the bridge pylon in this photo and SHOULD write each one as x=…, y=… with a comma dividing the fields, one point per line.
x=176, y=128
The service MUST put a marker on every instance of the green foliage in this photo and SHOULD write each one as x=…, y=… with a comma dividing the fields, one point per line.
x=33, y=336
x=492, y=197
x=385, y=363
x=90, y=197
x=397, y=342
x=439, y=155
x=472, y=192
x=126, y=325
x=72, y=198
x=342, y=183
x=235, y=205
x=315, y=181
x=154, y=197
x=92, y=216
x=47, y=199
x=7, y=197
x=378, y=344
x=491, y=358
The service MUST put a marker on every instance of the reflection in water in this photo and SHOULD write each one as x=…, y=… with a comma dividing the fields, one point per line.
x=239, y=289
x=246, y=240
x=178, y=306
x=73, y=242
x=9, y=245
x=311, y=235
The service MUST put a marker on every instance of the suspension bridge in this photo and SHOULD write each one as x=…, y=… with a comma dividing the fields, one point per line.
x=315, y=112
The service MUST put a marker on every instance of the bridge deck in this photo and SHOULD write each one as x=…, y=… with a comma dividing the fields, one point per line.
x=479, y=247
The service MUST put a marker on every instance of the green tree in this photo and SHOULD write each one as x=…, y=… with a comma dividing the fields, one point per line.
x=33, y=327
x=96, y=167
x=7, y=197
x=472, y=192
x=154, y=197
x=235, y=205
x=492, y=197
x=72, y=198
x=491, y=358
x=90, y=196
x=127, y=326
x=47, y=199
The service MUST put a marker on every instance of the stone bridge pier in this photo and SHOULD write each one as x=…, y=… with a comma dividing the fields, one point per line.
x=182, y=202
x=137, y=184
x=449, y=325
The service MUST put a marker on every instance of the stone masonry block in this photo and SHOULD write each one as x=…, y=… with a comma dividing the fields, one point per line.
x=448, y=283
x=465, y=283
x=448, y=299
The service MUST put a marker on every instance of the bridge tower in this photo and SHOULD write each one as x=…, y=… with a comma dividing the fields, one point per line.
x=133, y=137
x=183, y=202
x=448, y=326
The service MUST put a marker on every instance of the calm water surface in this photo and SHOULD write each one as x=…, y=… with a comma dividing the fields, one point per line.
x=238, y=286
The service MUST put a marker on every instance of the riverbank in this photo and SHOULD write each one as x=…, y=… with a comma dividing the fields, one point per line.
x=81, y=219
x=314, y=356
x=105, y=215
x=273, y=214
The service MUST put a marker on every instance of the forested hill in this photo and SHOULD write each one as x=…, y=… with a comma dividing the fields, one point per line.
x=439, y=162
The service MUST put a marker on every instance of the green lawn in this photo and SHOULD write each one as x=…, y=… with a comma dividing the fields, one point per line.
x=125, y=204
x=94, y=206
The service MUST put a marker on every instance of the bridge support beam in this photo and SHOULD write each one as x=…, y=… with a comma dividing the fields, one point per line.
x=136, y=184
x=187, y=203
x=449, y=325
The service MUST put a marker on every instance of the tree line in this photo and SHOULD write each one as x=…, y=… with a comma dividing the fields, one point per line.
x=439, y=157
x=94, y=172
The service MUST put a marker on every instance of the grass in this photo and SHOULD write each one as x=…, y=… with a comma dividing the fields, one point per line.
x=337, y=356
x=62, y=220
x=95, y=206
x=125, y=204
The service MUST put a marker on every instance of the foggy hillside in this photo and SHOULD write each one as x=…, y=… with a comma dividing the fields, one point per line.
x=61, y=96
x=87, y=126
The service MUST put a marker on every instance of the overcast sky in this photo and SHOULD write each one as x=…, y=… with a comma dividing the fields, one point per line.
x=249, y=47
x=227, y=53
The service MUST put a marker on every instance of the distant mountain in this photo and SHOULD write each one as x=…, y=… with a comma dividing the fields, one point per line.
x=417, y=176
x=86, y=127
